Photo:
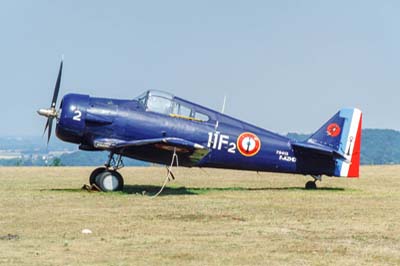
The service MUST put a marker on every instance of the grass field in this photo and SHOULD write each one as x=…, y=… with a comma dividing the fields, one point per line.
x=204, y=217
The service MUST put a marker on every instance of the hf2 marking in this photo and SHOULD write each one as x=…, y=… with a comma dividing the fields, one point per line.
x=216, y=140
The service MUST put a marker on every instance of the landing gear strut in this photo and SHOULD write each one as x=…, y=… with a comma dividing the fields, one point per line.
x=107, y=178
x=312, y=184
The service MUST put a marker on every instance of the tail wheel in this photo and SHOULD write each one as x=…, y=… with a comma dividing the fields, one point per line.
x=311, y=185
x=95, y=173
x=110, y=180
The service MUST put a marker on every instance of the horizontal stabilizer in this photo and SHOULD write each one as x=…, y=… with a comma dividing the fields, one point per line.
x=320, y=149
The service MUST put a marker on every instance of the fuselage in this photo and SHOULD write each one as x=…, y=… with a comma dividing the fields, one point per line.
x=233, y=144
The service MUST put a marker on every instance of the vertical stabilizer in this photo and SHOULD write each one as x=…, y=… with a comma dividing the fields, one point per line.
x=343, y=134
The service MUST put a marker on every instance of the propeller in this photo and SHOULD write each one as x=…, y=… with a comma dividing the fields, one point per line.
x=51, y=112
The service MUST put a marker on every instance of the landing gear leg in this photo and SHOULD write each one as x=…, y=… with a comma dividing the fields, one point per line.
x=107, y=178
x=312, y=184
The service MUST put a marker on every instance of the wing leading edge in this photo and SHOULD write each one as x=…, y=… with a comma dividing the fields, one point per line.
x=193, y=151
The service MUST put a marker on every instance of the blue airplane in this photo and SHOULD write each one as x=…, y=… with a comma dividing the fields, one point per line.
x=158, y=127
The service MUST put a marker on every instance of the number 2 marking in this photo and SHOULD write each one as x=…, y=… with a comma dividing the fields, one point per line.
x=232, y=147
x=77, y=115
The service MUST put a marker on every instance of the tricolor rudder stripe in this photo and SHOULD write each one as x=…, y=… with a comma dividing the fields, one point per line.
x=350, y=143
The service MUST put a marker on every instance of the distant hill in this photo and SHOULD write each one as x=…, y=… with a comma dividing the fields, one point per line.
x=87, y=158
x=33, y=144
x=34, y=151
x=297, y=136
x=379, y=146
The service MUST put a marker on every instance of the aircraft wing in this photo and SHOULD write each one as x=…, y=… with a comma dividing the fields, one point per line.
x=193, y=151
x=319, y=150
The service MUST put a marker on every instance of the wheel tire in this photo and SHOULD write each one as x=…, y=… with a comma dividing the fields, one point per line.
x=94, y=174
x=311, y=185
x=110, y=181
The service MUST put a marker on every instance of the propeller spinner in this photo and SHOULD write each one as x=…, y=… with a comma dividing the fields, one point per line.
x=52, y=113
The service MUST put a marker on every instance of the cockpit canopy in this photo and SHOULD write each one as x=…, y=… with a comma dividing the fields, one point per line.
x=165, y=103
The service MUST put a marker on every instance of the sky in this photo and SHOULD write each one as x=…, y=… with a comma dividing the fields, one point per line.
x=286, y=66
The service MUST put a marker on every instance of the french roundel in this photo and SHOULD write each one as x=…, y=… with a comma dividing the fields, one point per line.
x=248, y=144
x=333, y=130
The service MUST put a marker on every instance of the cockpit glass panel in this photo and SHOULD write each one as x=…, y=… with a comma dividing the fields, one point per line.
x=142, y=98
x=201, y=117
x=185, y=111
x=164, y=103
x=159, y=104
x=181, y=110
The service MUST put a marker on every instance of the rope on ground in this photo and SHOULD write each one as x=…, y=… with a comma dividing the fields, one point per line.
x=169, y=173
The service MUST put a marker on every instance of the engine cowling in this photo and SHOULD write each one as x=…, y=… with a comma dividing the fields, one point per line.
x=71, y=122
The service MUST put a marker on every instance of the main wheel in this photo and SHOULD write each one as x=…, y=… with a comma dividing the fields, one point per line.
x=311, y=185
x=110, y=181
x=95, y=173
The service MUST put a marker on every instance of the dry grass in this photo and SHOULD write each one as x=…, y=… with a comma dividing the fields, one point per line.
x=211, y=217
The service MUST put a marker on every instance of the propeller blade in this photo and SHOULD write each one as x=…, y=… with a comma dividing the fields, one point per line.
x=57, y=87
x=47, y=125
x=52, y=112
x=50, y=128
